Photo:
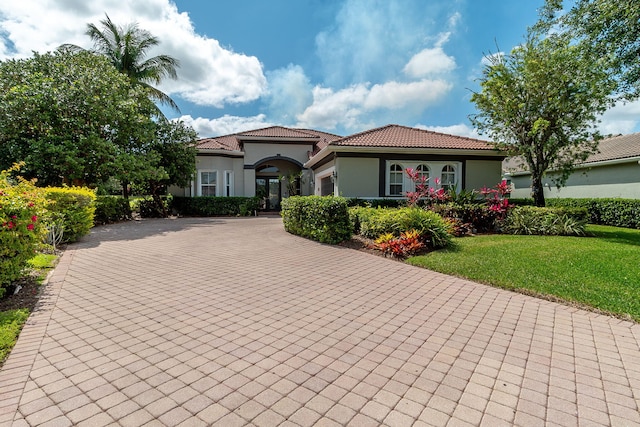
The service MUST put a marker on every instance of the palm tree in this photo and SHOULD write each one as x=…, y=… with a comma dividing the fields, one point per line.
x=126, y=47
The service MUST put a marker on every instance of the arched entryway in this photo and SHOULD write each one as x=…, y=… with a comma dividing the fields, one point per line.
x=276, y=179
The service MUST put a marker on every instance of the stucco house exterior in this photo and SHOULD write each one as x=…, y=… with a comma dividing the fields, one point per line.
x=614, y=171
x=368, y=165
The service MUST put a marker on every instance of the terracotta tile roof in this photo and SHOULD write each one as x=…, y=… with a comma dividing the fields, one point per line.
x=617, y=147
x=396, y=136
x=234, y=141
x=612, y=148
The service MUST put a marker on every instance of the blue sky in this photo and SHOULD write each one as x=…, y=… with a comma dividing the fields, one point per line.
x=340, y=66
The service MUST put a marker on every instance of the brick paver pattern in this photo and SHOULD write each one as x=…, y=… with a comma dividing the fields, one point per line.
x=234, y=322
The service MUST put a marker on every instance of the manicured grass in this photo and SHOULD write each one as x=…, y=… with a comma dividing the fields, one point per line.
x=601, y=271
x=11, y=321
x=10, y=325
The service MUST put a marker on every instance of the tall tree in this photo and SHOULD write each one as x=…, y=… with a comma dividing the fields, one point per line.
x=541, y=101
x=69, y=116
x=610, y=29
x=126, y=48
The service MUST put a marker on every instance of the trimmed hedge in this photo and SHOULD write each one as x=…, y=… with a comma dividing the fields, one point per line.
x=377, y=203
x=321, y=218
x=215, y=206
x=110, y=209
x=75, y=207
x=616, y=212
x=375, y=222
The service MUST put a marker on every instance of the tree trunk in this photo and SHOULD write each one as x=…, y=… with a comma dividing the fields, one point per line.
x=537, y=190
x=125, y=190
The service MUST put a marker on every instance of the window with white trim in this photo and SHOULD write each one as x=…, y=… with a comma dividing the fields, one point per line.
x=208, y=183
x=448, y=177
x=423, y=172
x=437, y=174
x=228, y=183
x=396, y=180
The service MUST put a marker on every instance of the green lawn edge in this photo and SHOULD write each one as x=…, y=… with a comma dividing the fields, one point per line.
x=599, y=272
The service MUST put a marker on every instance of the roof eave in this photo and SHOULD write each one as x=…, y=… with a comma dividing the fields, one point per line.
x=632, y=159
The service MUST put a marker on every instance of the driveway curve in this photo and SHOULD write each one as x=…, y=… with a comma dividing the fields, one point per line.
x=234, y=322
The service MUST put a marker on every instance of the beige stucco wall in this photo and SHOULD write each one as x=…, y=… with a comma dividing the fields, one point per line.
x=617, y=180
x=482, y=173
x=357, y=177
x=255, y=152
x=222, y=164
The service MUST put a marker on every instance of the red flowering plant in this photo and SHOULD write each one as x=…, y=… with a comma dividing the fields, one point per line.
x=496, y=198
x=408, y=243
x=424, y=193
x=22, y=205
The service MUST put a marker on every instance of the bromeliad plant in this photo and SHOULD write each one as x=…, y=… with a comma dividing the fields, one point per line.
x=407, y=244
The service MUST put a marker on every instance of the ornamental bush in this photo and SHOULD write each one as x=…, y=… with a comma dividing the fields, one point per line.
x=432, y=228
x=545, y=221
x=215, y=206
x=74, y=208
x=321, y=218
x=22, y=206
x=110, y=209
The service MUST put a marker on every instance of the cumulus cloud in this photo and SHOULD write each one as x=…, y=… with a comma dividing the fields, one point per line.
x=428, y=62
x=459, y=129
x=351, y=107
x=623, y=118
x=209, y=74
x=225, y=125
x=290, y=92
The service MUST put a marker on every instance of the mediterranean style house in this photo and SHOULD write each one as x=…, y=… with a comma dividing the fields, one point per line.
x=614, y=171
x=276, y=162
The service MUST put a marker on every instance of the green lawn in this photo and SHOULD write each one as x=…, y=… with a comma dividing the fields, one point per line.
x=601, y=271
x=11, y=321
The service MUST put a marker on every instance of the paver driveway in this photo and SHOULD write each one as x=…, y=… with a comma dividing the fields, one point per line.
x=235, y=322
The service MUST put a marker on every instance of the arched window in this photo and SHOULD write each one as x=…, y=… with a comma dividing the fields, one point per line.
x=396, y=178
x=423, y=172
x=448, y=177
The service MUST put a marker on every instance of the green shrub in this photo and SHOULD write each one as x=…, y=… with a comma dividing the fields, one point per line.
x=376, y=203
x=215, y=206
x=321, y=218
x=75, y=207
x=22, y=206
x=110, y=209
x=148, y=207
x=376, y=222
x=545, y=221
x=476, y=216
x=615, y=212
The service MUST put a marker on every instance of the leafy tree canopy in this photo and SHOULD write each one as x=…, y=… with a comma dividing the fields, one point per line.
x=610, y=30
x=67, y=115
x=541, y=101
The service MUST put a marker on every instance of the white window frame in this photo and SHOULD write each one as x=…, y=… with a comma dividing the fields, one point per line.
x=435, y=174
x=228, y=184
x=324, y=174
x=200, y=184
x=455, y=175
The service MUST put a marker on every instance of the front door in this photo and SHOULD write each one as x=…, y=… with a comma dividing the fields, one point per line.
x=268, y=188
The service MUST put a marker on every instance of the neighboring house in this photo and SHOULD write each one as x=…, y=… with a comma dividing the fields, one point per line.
x=367, y=165
x=612, y=172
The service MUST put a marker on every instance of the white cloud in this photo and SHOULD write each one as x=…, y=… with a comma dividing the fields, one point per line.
x=460, y=129
x=624, y=118
x=351, y=107
x=290, y=93
x=209, y=73
x=393, y=95
x=428, y=62
x=225, y=125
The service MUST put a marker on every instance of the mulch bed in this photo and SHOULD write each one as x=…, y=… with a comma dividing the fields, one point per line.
x=27, y=296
